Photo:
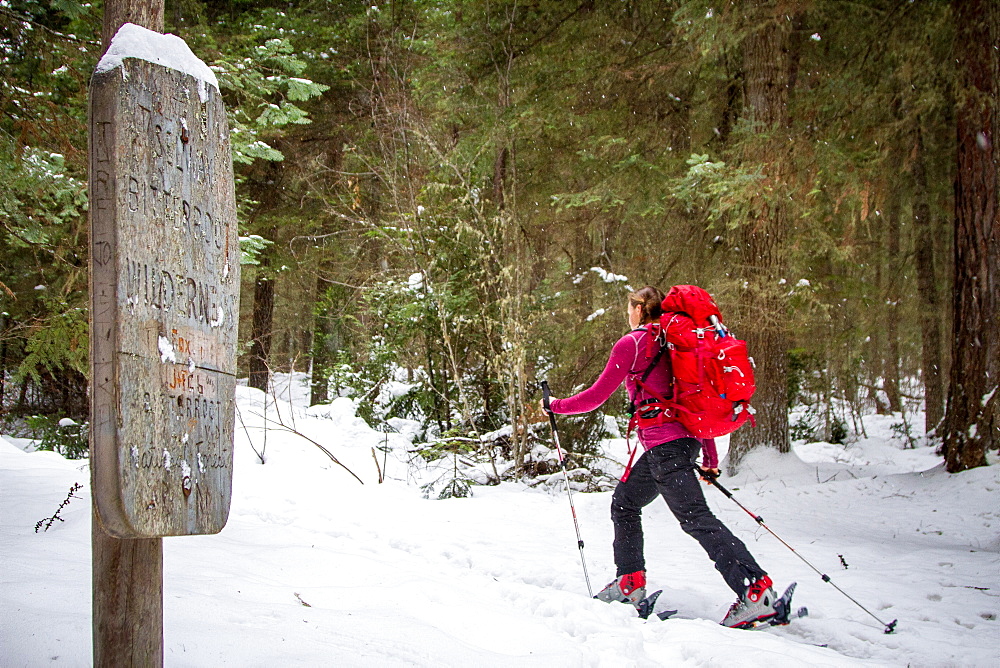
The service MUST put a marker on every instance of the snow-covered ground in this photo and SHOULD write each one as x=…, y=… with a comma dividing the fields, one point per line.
x=315, y=569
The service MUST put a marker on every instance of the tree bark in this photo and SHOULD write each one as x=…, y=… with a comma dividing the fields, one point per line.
x=128, y=599
x=3, y=360
x=127, y=574
x=262, y=328
x=766, y=89
x=500, y=176
x=892, y=297
x=972, y=425
x=930, y=304
x=322, y=349
x=145, y=13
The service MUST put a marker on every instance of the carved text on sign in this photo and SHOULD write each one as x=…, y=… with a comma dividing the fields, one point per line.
x=150, y=286
x=164, y=302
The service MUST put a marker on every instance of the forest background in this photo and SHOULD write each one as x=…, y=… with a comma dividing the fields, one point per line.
x=443, y=202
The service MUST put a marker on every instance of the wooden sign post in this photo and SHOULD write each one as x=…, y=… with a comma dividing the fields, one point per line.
x=164, y=310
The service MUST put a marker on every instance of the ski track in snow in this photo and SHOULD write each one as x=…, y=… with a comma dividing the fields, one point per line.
x=315, y=569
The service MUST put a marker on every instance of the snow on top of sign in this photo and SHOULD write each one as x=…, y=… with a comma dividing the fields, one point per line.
x=132, y=41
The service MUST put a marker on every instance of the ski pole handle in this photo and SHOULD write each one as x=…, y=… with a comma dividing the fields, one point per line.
x=712, y=479
x=707, y=474
x=546, y=395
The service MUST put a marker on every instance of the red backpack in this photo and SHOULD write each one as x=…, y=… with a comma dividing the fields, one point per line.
x=713, y=375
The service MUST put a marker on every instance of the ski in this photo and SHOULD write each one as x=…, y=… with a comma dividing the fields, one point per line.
x=783, y=607
x=666, y=614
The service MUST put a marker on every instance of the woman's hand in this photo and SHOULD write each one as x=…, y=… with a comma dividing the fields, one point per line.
x=708, y=474
x=541, y=404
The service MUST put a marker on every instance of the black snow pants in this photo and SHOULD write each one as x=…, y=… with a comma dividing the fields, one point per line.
x=668, y=470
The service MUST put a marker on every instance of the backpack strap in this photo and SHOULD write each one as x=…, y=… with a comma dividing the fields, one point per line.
x=658, y=402
x=652, y=365
x=631, y=455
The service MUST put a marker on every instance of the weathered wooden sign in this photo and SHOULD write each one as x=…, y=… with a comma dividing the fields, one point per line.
x=164, y=302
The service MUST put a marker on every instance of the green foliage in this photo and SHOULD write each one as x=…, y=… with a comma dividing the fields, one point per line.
x=582, y=435
x=412, y=313
x=251, y=246
x=43, y=209
x=452, y=488
x=801, y=365
x=363, y=378
x=263, y=83
x=819, y=422
x=456, y=488
x=838, y=432
x=721, y=193
x=40, y=198
x=462, y=452
x=498, y=152
x=48, y=54
x=448, y=444
x=58, y=343
x=69, y=440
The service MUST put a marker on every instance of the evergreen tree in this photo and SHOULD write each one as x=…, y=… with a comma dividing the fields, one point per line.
x=763, y=256
x=973, y=422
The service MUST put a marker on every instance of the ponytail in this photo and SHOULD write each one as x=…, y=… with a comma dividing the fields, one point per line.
x=650, y=299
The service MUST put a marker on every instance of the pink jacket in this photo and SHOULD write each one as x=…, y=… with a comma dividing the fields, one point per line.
x=628, y=362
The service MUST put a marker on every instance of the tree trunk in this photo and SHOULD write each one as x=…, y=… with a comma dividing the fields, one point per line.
x=930, y=305
x=972, y=425
x=514, y=281
x=145, y=13
x=3, y=359
x=22, y=396
x=322, y=348
x=890, y=366
x=260, y=333
x=127, y=577
x=500, y=176
x=126, y=574
x=878, y=354
x=766, y=88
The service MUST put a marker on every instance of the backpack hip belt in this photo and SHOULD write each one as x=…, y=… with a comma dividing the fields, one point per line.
x=650, y=413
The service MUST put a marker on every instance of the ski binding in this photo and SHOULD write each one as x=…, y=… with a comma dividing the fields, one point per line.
x=645, y=607
x=783, y=606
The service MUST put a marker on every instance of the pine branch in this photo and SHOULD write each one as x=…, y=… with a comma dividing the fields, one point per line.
x=27, y=19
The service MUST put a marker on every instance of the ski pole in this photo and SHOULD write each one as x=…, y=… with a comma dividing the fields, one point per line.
x=569, y=493
x=711, y=478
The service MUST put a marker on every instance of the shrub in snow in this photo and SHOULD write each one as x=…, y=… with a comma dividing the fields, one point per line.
x=68, y=438
x=49, y=521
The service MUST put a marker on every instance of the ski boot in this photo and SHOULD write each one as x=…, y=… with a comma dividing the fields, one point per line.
x=629, y=588
x=756, y=605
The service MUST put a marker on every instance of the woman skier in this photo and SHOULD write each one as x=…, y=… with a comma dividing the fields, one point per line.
x=665, y=468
